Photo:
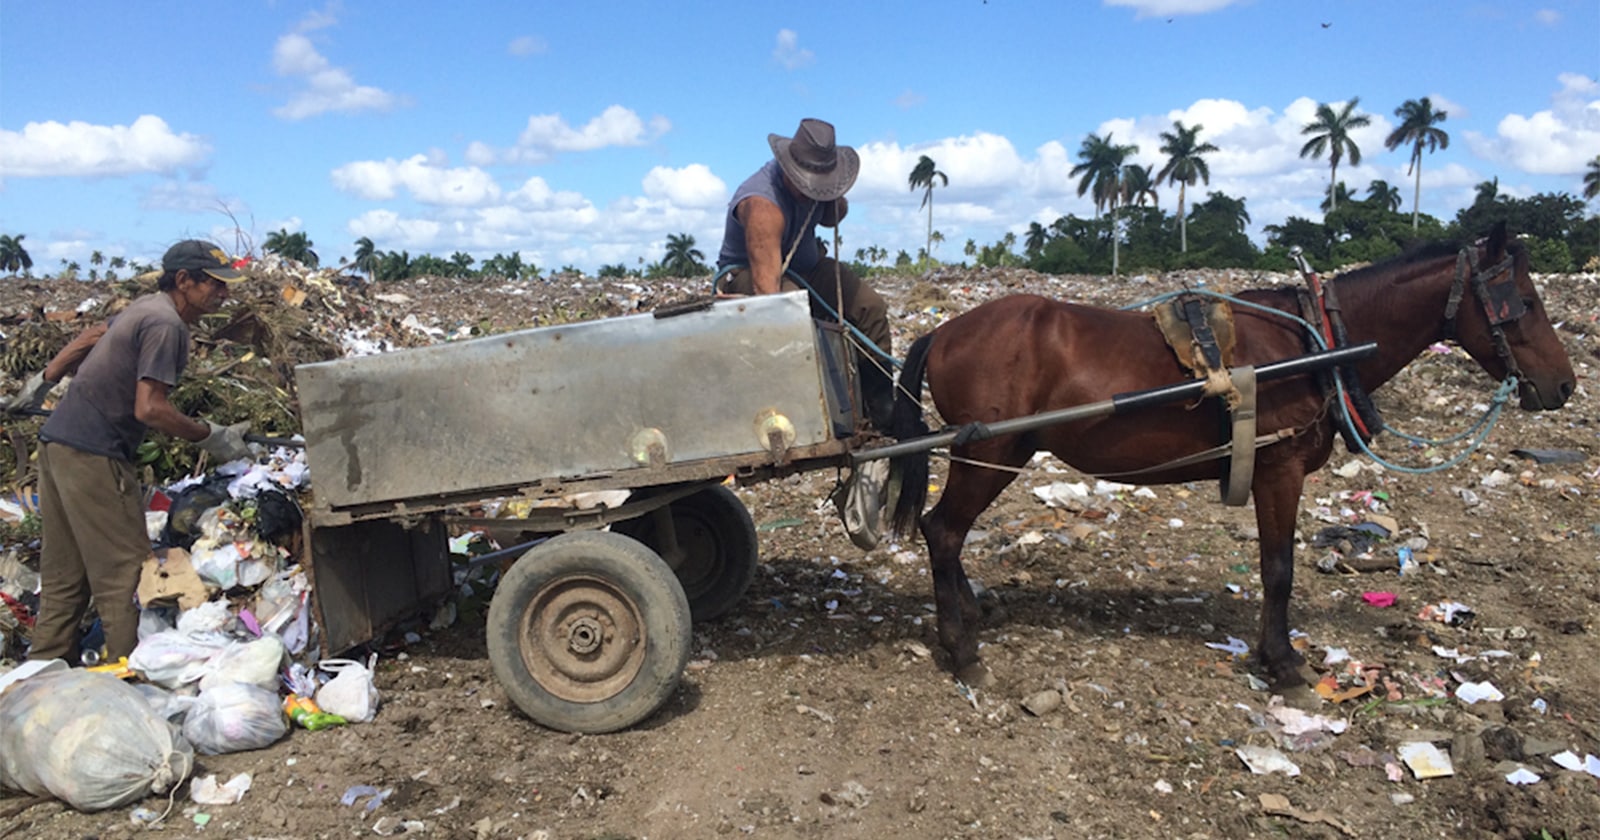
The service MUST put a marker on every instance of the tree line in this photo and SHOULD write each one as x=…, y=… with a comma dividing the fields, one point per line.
x=1128, y=229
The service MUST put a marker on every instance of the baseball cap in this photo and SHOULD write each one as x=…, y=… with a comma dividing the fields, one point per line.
x=198, y=255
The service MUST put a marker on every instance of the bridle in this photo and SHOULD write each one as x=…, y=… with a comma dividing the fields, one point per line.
x=1502, y=303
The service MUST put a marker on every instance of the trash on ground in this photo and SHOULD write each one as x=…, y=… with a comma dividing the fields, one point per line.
x=1453, y=613
x=206, y=790
x=1265, y=760
x=233, y=717
x=90, y=740
x=1379, y=599
x=1474, y=692
x=1522, y=776
x=1425, y=760
x=1551, y=456
x=1278, y=805
x=1234, y=646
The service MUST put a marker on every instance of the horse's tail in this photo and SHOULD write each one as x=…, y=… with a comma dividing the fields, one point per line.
x=907, y=424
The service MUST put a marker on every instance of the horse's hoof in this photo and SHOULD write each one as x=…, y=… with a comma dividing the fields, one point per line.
x=1299, y=696
x=976, y=675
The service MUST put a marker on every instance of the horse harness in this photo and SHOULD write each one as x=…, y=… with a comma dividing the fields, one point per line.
x=1200, y=332
x=1502, y=303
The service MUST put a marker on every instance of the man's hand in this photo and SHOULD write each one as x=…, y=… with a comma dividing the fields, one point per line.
x=32, y=395
x=226, y=443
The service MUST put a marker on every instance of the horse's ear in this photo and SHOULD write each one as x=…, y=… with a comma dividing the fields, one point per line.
x=1497, y=240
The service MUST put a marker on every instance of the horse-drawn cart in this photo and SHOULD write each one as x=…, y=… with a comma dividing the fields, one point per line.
x=589, y=630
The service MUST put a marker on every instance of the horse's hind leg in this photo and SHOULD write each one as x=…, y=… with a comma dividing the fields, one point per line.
x=969, y=489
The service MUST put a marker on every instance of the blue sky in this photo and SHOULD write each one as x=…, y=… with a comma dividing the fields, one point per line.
x=585, y=133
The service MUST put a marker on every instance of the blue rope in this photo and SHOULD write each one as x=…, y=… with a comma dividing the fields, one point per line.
x=801, y=282
x=1481, y=428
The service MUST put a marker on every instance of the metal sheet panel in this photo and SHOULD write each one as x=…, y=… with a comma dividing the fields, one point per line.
x=569, y=400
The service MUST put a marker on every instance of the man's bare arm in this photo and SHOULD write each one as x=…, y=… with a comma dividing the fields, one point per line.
x=66, y=362
x=152, y=408
x=763, y=241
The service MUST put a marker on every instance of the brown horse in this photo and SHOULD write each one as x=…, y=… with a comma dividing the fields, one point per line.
x=1024, y=355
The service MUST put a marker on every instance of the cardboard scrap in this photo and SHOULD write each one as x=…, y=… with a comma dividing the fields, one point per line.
x=1278, y=805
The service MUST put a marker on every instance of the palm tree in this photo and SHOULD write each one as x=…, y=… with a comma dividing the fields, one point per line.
x=1137, y=184
x=291, y=246
x=1330, y=133
x=367, y=257
x=682, y=258
x=971, y=249
x=1227, y=209
x=922, y=177
x=1186, y=164
x=462, y=263
x=14, y=257
x=1100, y=170
x=1419, y=126
x=1035, y=240
x=1340, y=192
x=1381, y=193
x=1591, y=180
x=936, y=239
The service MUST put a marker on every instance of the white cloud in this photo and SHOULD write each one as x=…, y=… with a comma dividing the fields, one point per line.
x=427, y=180
x=80, y=149
x=1558, y=141
x=788, y=53
x=1548, y=17
x=616, y=126
x=526, y=45
x=395, y=232
x=690, y=186
x=1171, y=8
x=325, y=88
x=190, y=197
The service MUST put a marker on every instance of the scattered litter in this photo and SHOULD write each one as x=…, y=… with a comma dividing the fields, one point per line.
x=206, y=791
x=1551, y=456
x=1265, y=760
x=1569, y=760
x=374, y=797
x=1425, y=760
x=1042, y=703
x=1278, y=805
x=1379, y=599
x=816, y=713
x=1453, y=613
x=1239, y=648
x=1522, y=776
x=1473, y=692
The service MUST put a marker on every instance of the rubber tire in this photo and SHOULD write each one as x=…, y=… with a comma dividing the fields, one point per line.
x=720, y=545
x=619, y=569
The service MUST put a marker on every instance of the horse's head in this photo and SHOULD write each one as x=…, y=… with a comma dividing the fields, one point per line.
x=1503, y=325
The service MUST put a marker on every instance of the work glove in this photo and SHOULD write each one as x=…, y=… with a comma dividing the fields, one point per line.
x=226, y=443
x=32, y=395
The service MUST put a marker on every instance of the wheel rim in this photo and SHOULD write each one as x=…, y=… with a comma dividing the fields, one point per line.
x=583, y=639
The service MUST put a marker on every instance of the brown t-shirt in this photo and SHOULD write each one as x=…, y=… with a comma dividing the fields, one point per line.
x=147, y=340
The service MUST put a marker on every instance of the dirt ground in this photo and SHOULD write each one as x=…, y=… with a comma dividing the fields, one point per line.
x=822, y=708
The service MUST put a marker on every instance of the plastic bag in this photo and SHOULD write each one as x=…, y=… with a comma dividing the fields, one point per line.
x=351, y=693
x=87, y=739
x=206, y=618
x=233, y=717
x=254, y=662
x=172, y=658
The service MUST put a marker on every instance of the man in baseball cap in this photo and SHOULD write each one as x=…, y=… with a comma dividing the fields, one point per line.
x=770, y=243
x=90, y=501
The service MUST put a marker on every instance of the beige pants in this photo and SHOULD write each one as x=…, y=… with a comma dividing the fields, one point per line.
x=94, y=545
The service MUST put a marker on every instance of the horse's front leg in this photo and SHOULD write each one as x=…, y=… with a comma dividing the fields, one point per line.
x=969, y=489
x=1277, y=496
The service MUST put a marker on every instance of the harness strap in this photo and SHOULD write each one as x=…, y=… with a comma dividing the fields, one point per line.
x=1242, y=466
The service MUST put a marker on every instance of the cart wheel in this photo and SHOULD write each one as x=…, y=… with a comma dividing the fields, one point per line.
x=716, y=552
x=589, y=632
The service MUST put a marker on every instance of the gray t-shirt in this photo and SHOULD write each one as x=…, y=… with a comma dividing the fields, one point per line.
x=800, y=218
x=147, y=340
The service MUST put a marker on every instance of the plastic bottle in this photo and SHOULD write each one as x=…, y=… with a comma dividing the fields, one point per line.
x=305, y=712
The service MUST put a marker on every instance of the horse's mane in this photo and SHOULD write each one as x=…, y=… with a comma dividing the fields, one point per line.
x=1421, y=252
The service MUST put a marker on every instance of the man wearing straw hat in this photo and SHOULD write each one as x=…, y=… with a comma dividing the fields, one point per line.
x=770, y=234
x=91, y=505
